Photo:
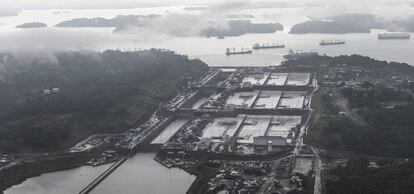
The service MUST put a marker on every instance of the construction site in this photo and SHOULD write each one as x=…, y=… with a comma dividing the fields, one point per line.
x=237, y=130
x=235, y=116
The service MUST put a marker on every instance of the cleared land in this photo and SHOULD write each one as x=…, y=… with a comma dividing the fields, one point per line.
x=256, y=79
x=242, y=99
x=268, y=99
x=277, y=79
x=292, y=100
x=253, y=126
x=298, y=79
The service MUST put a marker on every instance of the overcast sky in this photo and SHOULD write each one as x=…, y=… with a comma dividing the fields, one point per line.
x=75, y=4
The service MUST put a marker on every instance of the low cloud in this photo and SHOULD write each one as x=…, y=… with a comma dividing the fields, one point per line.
x=47, y=39
x=383, y=8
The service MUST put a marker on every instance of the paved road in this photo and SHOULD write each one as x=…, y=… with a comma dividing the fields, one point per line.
x=318, y=171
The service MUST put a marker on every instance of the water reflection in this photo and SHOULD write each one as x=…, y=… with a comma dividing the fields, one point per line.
x=139, y=174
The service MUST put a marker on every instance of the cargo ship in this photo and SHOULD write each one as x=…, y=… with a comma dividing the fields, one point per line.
x=232, y=51
x=299, y=54
x=267, y=46
x=391, y=36
x=331, y=42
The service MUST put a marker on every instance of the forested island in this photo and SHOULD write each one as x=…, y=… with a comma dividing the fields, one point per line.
x=106, y=92
x=118, y=21
x=32, y=25
x=348, y=23
x=124, y=24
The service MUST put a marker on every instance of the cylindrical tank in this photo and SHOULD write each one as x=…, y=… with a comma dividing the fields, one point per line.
x=55, y=90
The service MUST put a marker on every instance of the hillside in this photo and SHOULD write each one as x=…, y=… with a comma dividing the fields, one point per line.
x=104, y=92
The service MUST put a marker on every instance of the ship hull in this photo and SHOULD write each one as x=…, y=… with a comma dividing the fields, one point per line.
x=393, y=37
x=239, y=53
x=269, y=47
x=331, y=43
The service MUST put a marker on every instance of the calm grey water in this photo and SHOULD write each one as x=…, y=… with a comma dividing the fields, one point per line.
x=61, y=182
x=210, y=50
x=139, y=174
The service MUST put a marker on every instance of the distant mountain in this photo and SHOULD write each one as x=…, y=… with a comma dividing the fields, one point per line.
x=405, y=24
x=32, y=25
x=241, y=27
x=347, y=23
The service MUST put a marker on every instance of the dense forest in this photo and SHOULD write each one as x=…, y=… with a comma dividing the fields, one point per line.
x=380, y=126
x=104, y=92
x=357, y=178
x=386, y=128
x=321, y=64
x=386, y=131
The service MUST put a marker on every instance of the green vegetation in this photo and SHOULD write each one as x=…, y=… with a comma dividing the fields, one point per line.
x=373, y=120
x=357, y=178
x=323, y=111
x=106, y=92
x=371, y=96
x=389, y=131
x=322, y=64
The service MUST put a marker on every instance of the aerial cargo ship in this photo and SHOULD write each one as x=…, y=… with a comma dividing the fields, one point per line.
x=392, y=36
x=331, y=42
x=299, y=54
x=258, y=46
x=232, y=51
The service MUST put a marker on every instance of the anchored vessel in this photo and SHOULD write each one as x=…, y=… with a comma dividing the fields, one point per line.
x=299, y=54
x=331, y=42
x=233, y=51
x=267, y=46
x=390, y=36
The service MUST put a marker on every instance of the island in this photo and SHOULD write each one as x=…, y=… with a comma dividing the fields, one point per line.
x=347, y=23
x=118, y=21
x=32, y=25
x=241, y=27
x=124, y=24
x=406, y=24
